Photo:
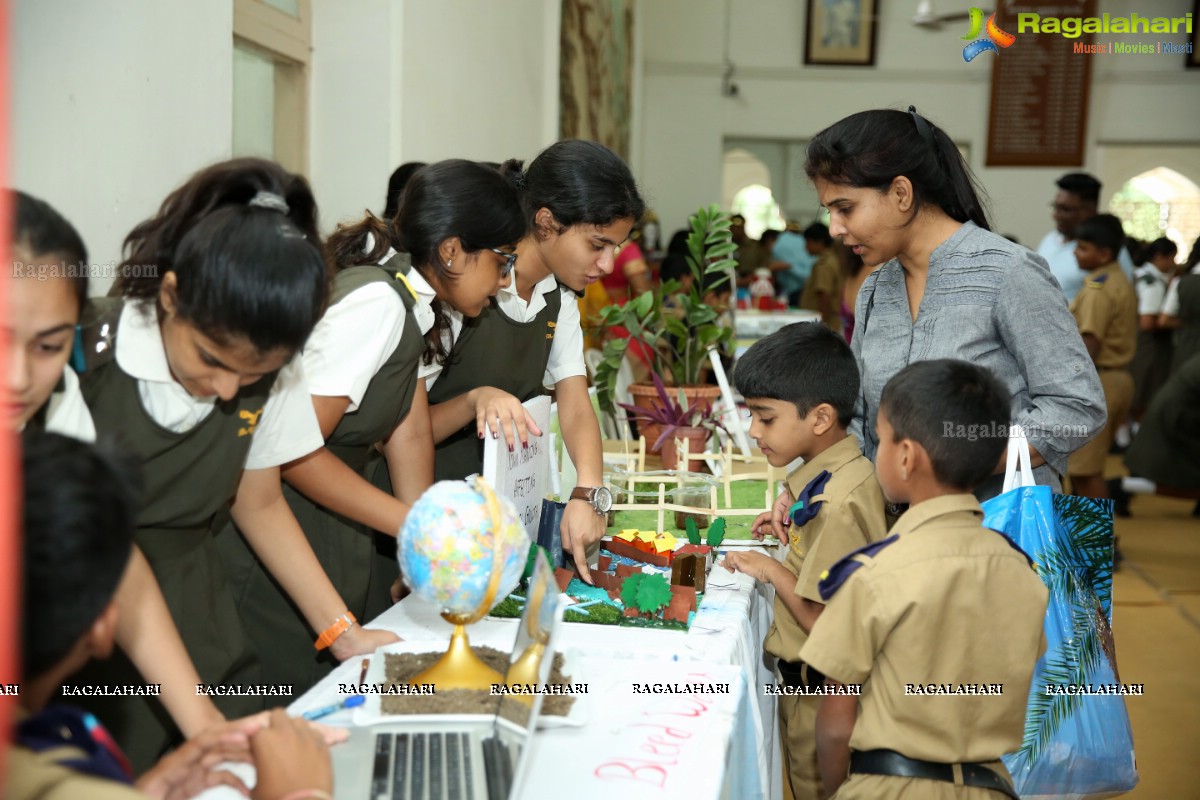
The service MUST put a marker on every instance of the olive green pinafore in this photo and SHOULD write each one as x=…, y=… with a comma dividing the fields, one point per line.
x=344, y=547
x=491, y=350
x=187, y=478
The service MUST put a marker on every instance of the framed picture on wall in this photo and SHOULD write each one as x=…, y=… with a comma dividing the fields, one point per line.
x=1192, y=59
x=841, y=33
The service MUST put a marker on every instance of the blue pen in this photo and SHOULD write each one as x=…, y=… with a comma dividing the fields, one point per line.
x=352, y=701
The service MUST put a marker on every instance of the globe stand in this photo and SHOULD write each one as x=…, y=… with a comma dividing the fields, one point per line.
x=459, y=667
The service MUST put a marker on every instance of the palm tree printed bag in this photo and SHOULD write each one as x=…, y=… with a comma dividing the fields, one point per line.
x=1075, y=745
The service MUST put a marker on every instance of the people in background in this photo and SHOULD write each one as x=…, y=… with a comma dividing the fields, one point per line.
x=630, y=275
x=823, y=289
x=888, y=619
x=1181, y=310
x=581, y=202
x=1152, y=359
x=1106, y=312
x=854, y=272
x=191, y=363
x=791, y=248
x=1077, y=199
x=900, y=196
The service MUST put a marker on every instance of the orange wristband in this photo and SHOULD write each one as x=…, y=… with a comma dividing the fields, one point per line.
x=330, y=634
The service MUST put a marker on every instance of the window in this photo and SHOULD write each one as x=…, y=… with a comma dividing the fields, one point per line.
x=272, y=40
x=1160, y=202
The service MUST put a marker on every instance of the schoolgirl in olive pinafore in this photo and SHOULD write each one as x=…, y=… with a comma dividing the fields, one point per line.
x=187, y=478
x=492, y=350
x=343, y=546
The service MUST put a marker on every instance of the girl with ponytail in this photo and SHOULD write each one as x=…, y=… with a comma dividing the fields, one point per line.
x=900, y=195
x=191, y=367
x=398, y=285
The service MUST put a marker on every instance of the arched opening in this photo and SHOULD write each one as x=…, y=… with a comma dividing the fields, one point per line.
x=747, y=191
x=1159, y=202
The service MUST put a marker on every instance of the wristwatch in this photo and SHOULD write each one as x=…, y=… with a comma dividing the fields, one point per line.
x=599, y=497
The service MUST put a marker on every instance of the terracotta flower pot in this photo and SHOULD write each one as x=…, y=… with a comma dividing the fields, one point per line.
x=646, y=396
x=696, y=438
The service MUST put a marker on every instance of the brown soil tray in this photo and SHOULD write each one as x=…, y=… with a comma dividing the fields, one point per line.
x=403, y=667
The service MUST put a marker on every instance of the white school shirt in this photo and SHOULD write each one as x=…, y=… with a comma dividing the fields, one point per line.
x=566, y=351
x=1170, y=305
x=288, y=428
x=1151, y=287
x=358, y=335
x=67, y=413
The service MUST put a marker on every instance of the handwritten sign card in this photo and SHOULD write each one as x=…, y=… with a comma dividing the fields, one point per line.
x=523, y=475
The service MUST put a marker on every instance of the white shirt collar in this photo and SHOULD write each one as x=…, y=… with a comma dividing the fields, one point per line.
x=537, y=301
x=140, y=350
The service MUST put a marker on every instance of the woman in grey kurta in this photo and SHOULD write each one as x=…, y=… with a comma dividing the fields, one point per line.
x=900, y=195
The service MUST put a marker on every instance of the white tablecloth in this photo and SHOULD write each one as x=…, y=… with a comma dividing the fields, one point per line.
x=730, y=749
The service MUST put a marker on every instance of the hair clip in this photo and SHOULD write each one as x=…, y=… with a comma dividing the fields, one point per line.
x=269, y=200
x=923, y=128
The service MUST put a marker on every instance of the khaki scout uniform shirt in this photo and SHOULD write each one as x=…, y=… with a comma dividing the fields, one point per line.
x=851, y=516
x=943, y=601
x=1106, y=308
x=32, y=775
x=826, y=277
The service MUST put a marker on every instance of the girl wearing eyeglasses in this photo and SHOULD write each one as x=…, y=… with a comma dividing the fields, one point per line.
x=581, y=202
x=400, y=288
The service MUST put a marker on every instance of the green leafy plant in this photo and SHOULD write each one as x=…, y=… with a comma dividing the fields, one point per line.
x=716, y=532
x=670, y=415
x=673, y=323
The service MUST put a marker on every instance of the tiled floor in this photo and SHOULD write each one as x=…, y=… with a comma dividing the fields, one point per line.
x=1156, y=621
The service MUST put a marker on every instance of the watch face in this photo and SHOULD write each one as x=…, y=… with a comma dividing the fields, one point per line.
x=602, y=499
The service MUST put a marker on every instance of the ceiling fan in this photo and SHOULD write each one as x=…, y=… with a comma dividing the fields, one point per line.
x=927, y=17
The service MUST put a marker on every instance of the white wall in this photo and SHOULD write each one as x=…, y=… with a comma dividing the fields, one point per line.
x=480, y=79
x=114, y=104
x=1147, y=100
x=117, y=102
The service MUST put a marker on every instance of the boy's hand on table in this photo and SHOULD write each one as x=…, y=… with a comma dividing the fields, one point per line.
x=776, y=520
x=289, y=755
x=756, y=565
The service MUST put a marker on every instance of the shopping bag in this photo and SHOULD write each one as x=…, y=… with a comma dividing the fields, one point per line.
x=1075, y=746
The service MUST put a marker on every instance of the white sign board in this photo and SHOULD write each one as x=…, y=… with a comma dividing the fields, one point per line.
x=523, y=475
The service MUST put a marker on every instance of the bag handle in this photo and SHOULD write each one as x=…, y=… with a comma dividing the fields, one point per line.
x=1018, y=452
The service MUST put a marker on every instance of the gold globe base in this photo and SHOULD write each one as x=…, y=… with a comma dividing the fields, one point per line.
x=459, y=667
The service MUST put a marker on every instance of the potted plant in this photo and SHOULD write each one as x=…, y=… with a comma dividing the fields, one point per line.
x=672, y=323
x=675, y=420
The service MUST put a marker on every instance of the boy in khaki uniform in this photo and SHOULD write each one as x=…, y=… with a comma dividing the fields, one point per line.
x=1106, y=312
x=823, y=289
x=79, y=517
x=800, y=384
x=941, y=622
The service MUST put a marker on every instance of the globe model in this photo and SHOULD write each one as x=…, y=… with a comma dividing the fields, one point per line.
x=448, y=544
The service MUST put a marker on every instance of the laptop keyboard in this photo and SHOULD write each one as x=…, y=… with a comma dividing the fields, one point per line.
x=437, y=766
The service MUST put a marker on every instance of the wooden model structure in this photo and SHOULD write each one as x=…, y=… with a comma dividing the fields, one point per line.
x=634, y=462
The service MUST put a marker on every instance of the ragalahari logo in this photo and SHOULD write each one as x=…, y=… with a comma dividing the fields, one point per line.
x=996, y=38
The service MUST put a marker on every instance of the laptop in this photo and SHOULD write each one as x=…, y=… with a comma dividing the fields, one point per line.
x=443, y=757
